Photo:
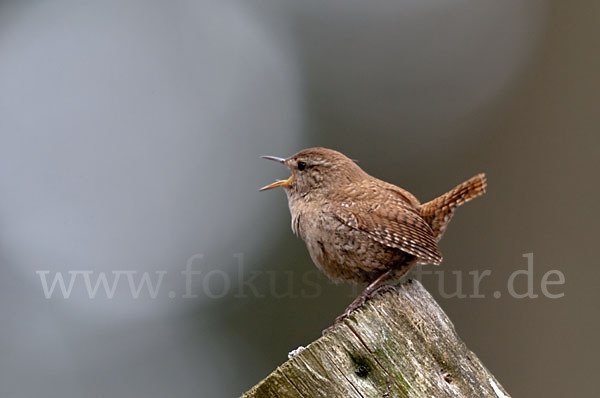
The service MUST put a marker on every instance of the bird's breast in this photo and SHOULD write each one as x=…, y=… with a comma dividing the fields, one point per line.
x=306, y=219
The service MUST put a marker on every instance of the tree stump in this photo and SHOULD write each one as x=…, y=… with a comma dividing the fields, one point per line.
x=399, y=344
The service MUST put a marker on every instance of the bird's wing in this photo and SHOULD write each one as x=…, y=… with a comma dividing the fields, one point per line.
x=391, y=222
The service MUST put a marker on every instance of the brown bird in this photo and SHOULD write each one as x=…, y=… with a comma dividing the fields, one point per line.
x=358, y=228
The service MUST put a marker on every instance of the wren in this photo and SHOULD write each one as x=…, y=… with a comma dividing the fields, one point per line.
x=360, y=229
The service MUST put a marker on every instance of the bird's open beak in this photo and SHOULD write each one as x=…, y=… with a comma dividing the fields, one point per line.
x=279, y=183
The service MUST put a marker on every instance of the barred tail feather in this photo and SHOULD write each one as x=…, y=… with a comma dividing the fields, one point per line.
x=438, y=212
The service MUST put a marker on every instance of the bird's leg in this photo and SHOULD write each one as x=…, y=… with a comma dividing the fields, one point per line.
x=362, y=298
x=374, y=288
x=364, y=295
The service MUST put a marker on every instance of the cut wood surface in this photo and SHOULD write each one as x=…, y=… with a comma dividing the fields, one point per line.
x=399, y=344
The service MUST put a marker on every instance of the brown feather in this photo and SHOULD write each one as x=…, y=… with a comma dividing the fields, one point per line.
x=438, y=212
x=388, y=219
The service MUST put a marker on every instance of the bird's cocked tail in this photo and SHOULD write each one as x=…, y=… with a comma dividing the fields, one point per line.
x=439, y=211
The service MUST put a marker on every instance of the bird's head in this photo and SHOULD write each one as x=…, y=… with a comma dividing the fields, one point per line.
x=316, y=172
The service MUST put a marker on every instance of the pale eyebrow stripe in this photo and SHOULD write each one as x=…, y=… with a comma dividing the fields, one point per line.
x=316, y=163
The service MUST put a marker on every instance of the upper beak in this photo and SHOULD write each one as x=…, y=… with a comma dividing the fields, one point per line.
x=274, y=158
x=278, y=183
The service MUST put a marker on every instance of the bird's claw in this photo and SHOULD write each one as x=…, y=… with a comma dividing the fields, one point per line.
x=359, y=302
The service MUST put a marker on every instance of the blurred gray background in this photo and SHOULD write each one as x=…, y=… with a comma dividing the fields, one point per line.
x=130, y=136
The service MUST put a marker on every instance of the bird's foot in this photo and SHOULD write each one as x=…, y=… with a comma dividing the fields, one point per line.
x=359, y=302
x=381, y=290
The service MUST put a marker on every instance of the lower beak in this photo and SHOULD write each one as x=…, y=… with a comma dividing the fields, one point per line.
x=280, y=183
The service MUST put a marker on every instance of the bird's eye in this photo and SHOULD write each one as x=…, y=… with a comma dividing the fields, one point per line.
x=301, y=165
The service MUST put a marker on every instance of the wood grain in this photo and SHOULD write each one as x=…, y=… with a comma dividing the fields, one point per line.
x=399, y=344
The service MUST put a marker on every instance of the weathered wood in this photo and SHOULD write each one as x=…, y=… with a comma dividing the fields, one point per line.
x=399, y=344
